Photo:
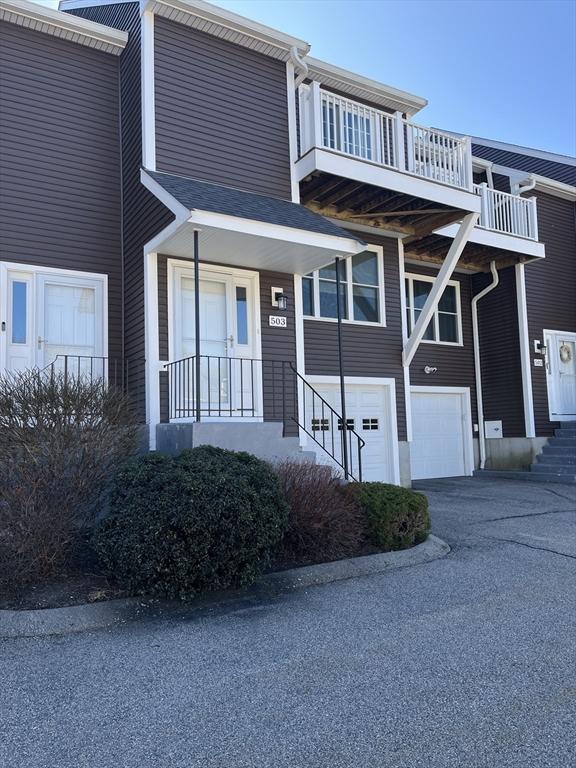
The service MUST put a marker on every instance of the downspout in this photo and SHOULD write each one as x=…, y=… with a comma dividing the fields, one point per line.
x=299, y=64
x=477, y=369
x=517, y=189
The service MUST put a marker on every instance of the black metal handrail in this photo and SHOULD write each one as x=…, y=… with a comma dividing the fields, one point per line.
x=246, y=387
x=115, y=371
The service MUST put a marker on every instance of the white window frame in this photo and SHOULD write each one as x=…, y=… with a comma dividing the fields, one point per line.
x=381, y=323
x=410, y=277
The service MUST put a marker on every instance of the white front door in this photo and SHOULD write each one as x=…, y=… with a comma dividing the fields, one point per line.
x=230, y=376
x=561, y=374
x=369, y=414
x=441, y=434
x=51, y=316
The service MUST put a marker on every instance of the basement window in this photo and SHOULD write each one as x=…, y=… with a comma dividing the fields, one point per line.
x=361, y=289
x=445, y=327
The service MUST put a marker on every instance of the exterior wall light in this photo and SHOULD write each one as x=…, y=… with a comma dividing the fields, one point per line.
x=279, y=299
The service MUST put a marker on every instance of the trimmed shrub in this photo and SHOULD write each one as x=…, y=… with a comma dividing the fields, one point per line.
x=61, y=440
x=207, y=519
x=396, y=518
x=324, y=522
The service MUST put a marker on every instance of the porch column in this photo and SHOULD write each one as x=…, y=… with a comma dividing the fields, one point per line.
x=341, y=367
x=197, y=321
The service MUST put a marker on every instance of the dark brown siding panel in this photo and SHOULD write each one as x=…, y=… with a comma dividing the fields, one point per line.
x=455, y=364
x=551, y=289
x=367, y=350
x=221, y=111
x=500, y=353
x=60, y=160
x=563, y=172
x=144, y=216
x=163, y=347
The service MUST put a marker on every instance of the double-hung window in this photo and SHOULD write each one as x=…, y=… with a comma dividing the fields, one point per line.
x=445, y=326
x=361, y=289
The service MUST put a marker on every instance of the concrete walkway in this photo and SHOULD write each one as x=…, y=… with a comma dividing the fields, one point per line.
x=465, y=662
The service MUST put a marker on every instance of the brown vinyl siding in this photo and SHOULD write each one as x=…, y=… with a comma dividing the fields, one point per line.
x=551, y=290
x=366, y=350
x=143, y=215
x=221, y=111
x=500, y=352
x=550, y=168
x=455, y=364
x=60, y=160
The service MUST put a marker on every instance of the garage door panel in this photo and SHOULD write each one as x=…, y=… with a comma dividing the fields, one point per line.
x=368, y=413
x=439, y=434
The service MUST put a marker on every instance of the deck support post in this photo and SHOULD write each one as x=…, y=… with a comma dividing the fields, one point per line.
x=455, y=251
x=344, y=425
x=197, y=322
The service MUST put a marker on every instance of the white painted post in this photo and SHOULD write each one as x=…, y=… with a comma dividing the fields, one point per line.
x=484, y=217
x=534, y=217
x=399, y=148
x=304, y=107
x=469, y=175
x=316, y=115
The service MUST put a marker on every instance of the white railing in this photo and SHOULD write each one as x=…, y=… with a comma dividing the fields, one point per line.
x=342, y=125
x=510, y=214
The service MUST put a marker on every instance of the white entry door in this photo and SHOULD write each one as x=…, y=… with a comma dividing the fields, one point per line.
x=441, y=434
x=561, y=374
x=369, y=414
x=51, y=316
x=230, y=376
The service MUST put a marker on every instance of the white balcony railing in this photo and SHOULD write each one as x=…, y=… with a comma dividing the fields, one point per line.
x=341, y=125
x=510, y=214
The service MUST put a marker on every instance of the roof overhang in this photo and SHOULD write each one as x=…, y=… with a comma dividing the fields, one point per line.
x=58, y=24
x=542, y=183
x=364, y=87
x=239, y=241
x=227, y=25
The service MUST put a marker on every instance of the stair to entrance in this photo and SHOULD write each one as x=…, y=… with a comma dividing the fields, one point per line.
x=555, y=464
x=263, y=439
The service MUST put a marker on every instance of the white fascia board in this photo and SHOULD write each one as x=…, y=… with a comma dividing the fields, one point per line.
x=498, y=240
x=228, y=25
x=342, y=245
x=386, y=178
x=481, y=163
x=364, y=87
x=59, y=24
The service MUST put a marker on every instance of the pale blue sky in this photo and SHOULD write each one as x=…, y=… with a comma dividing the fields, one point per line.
x=501, y=69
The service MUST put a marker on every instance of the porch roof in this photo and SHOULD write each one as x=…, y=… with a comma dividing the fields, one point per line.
x=245, y=228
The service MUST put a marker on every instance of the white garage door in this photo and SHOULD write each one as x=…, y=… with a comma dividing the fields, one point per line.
x=368, y=411
x=440, y=434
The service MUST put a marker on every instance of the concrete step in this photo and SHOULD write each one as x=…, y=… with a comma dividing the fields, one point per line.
x=565, y=432
x=534, y=477
x=561, y=469
x=557, y=450
x=555, y=458
x=568, y=442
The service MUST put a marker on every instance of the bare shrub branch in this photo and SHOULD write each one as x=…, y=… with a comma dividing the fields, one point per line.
x=61, y=441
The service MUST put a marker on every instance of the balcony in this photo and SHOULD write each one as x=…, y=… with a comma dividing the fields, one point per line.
x=507, y=214
x=340, y=125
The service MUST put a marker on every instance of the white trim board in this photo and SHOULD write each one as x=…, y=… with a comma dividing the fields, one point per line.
x=464, y=392
x=390, y=385
x=73, y=28
x=525, y=352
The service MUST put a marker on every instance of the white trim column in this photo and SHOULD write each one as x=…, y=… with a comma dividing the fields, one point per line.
x=404, y=322
x=525, y=357
x=147, y=91
x=292, y=131
x=151, y=345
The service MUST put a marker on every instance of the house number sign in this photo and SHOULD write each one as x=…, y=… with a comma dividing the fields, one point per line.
x=276, y=321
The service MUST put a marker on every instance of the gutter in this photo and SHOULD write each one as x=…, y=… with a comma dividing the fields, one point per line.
x=477, y=369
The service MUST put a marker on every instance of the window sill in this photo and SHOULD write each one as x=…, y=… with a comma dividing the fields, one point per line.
x=442, y=343
x=345, y=322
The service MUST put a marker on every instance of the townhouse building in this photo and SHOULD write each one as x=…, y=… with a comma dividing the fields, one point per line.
x=271, y=253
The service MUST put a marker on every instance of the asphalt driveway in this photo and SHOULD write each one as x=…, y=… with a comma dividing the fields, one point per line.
x=465, y=662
